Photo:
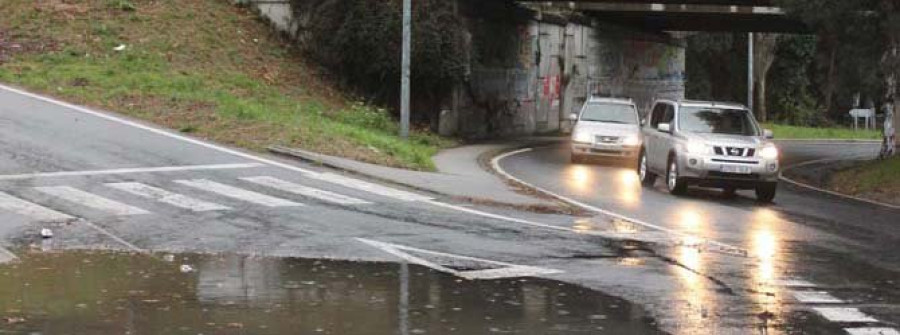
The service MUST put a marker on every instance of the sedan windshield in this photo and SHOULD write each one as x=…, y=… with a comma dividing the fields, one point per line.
x=610, y=113
x=717, y=121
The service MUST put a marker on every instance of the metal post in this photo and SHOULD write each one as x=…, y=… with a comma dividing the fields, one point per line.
x=404, y=83
x=750, y=71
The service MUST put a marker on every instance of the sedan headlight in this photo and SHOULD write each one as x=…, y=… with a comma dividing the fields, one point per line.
x=631, y=140
x=696, y=147
x=769, y=152
x=581, y=136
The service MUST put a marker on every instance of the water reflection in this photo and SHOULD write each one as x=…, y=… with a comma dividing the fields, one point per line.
x=580, y=178
x=765, y=249
x=107, y=293
x=628, y=187
x=697, y=294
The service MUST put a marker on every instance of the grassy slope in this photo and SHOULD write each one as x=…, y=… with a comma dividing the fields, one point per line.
x=794, y=132
x=199, y=66
x=879, y=180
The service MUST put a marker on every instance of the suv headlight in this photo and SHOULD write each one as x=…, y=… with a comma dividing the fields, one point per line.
x=769, y=152
x=631, y=140
x=581, y=136
x=696, y=147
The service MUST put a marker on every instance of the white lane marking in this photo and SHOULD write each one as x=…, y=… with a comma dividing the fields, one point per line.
x=237, y=193
x=793, y=283
x=871, y=331
x=501, y=270
x=495, y=163
x=7, y=256
x=843, y=314
x=167, y=197
x=816, y=297
x=80, y=197
x=32, y=210
x=129, y=170
x=305, y=190
x=369, y=187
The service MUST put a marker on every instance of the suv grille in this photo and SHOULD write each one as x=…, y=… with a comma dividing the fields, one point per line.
x=734, y=151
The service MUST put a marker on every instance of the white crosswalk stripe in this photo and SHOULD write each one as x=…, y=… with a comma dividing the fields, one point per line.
x=369, y=187
x=80, y=197
x=305, y=190
x=238, y=193
x=32, y=210
x=167, y=197
x=816, y=297
x=844, y=314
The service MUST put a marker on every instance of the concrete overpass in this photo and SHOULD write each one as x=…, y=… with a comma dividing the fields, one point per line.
x=684, y=15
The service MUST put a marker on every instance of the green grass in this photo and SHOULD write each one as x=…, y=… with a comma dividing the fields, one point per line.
x=876, y=179
x=211, y=70
x=795, y=132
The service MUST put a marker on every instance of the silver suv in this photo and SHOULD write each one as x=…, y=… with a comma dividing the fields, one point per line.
x=708, y=144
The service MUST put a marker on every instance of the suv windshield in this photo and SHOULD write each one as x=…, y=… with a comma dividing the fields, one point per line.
x=717, y=121
x=611, y=113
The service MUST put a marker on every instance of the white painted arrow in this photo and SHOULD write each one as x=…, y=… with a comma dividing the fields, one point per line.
x=498, y=270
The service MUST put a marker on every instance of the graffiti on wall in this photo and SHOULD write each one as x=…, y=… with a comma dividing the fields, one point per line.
x=654, y=61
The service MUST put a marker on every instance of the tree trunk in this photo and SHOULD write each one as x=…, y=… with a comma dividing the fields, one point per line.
x=764, y=56
x=830, y=81
x=762, y=111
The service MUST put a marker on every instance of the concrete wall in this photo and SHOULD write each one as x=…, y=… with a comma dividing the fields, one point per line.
x=532, y=97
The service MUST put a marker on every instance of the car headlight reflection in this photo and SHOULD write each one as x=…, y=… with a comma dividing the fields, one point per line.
x=769, y=152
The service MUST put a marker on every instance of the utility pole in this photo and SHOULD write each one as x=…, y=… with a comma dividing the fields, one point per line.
x=404, y=82
x=750, y=72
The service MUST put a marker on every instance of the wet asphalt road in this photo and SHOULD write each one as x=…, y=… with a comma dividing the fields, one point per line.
x=846, y=249
x=103, y=183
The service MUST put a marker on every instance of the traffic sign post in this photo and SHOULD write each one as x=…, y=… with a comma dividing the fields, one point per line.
x=867, y=114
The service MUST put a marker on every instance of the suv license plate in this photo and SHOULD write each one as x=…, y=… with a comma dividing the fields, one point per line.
x=735, y=169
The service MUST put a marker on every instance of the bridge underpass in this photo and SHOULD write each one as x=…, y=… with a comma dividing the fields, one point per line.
x=684, y=15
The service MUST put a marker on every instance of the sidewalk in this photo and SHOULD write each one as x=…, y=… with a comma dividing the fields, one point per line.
x=461, y=173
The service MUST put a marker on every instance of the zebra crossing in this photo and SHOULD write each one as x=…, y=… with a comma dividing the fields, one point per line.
x=171, y=194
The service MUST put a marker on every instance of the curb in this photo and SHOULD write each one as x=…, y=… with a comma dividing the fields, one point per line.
x=829, y=192
x=316, y=158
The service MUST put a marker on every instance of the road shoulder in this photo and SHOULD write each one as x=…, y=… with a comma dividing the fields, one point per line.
x=815, y=175
x=461, y=175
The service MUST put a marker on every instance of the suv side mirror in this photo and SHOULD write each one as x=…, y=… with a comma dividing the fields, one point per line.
x=664, y=127
x=768, y=134
x=573, y=117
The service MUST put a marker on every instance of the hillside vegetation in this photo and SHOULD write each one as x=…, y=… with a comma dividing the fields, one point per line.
x=203, y=67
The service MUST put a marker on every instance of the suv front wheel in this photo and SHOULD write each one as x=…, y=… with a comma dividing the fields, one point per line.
x=674, y=183
x=647, y=177
x=765, y=192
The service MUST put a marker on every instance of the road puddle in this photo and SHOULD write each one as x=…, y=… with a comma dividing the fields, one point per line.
x=118, y=293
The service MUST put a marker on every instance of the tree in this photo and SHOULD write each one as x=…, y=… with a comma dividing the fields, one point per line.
x=890, y=26
x=763, y=57
x=830, y=19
